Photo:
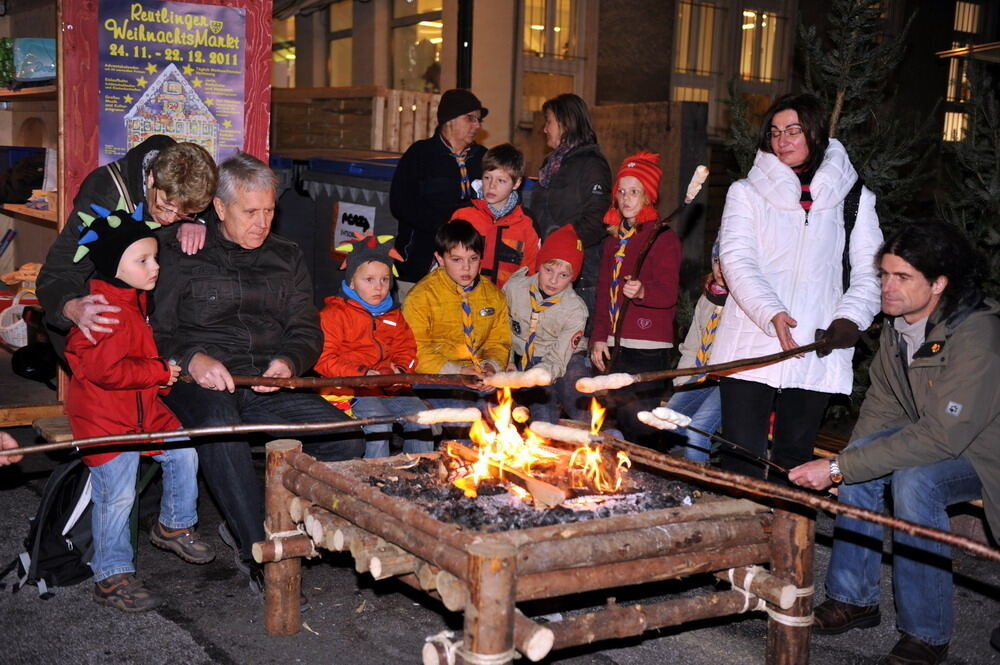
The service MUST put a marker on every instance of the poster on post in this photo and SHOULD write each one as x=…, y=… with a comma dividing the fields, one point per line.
x=173, y=68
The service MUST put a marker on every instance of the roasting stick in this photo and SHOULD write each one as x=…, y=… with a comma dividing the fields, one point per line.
x=620, y=380
x=741, y=483
x=155, y=439
x=667, y=419
x=694, y=186
x=533, y=377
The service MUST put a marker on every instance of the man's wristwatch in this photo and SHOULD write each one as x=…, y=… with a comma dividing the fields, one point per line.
x=835, y=475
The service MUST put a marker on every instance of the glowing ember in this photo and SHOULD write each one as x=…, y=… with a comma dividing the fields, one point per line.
x=502, y=447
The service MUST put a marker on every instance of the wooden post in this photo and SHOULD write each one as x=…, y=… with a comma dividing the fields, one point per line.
x=282, y=579
x=791, y=559
x=489, y=615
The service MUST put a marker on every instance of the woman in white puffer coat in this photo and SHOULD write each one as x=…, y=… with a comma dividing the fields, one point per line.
x=782, y=247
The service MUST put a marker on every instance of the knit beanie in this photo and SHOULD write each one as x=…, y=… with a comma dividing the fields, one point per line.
x=106, y=236
x=645, y=167
x=565, y=245
x=456, y=102
x=368, y=247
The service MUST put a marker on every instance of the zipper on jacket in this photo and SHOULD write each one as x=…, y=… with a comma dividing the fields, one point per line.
x=795, y=284
x=139, y=412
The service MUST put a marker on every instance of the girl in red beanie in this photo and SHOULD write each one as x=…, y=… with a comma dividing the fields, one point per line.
x=647, y=328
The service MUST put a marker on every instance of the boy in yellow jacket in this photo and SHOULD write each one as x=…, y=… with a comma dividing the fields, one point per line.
x=459, y=320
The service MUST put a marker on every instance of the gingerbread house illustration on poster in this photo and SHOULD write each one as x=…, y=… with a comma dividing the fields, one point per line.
x=171, y=106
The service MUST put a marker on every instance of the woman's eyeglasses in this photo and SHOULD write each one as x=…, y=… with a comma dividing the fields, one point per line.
x=789, y=132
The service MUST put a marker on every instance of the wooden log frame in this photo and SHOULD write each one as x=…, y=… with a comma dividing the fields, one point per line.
x=484, y=575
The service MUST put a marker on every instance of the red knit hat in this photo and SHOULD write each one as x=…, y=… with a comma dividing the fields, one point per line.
x=565, y=245
x=644, y=166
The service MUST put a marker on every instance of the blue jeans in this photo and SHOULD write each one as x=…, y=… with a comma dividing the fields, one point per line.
x=370, y=406
x=704, y=407
x=113, y=493
x=922, y=579
x=227, y=465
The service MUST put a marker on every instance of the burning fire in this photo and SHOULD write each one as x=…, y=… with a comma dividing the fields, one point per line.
x=502, y=451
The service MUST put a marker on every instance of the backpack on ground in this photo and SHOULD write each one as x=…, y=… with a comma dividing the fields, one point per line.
x=60, y=540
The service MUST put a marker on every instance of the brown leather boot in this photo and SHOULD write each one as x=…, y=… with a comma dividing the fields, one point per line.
x=832, y=617
x=912, y=651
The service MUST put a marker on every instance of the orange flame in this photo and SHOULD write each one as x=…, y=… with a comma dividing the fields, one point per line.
x=596, y=415
x=502, y=447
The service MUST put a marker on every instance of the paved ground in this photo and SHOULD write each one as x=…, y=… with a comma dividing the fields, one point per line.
x=211, y=617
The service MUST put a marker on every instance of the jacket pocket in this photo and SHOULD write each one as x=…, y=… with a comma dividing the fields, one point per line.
x=214, y=301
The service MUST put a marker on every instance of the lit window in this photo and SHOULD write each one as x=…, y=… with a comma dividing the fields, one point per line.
x=340, y=44
x=417, y=34
x=959, y=89
x=758, y=45
x=695, y=33
x=283, y=53
x=688, y=94
x=548, y=28
x=955, y=126
x=967, y=17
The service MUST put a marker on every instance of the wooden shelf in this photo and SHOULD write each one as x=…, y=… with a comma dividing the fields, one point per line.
x=49, y=217
x=38, y=93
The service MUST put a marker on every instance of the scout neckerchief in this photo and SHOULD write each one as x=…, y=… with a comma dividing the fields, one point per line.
x=462, y=170
x=467, y=327
x=536, y=310
x=625, y=232
x=707, y=337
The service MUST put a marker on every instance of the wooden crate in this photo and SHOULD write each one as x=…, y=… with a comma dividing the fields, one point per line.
x=369, y=117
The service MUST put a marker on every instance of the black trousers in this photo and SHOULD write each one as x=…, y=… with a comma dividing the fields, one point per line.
x=628, y=402
x=746, y=411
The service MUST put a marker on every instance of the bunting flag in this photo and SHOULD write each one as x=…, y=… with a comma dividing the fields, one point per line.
x=625, y=232
x=536, y=311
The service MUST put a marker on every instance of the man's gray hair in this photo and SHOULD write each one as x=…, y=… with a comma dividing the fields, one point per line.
x=243, y=171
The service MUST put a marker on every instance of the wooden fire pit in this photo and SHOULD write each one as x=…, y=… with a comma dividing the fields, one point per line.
x=326, y=505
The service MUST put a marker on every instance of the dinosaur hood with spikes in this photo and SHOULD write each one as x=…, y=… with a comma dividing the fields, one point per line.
x=368, y=247
x=105, y=235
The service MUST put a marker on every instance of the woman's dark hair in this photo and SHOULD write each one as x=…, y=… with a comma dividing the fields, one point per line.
x=939, y=249
x=813, y=117
x=458, y=233
x=571, y=113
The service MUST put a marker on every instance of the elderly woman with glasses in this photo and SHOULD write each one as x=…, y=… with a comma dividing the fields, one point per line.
x=174, y=182
x=793, y=272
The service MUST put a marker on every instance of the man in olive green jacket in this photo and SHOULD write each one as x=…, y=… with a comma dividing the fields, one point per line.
x=929, y=427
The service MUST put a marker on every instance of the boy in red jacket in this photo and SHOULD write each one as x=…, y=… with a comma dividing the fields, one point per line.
x=114, y=389
x=365, y=334
x=647, y=328
x=511, y=240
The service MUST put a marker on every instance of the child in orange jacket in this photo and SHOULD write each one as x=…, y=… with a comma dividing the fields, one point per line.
x=511, y=239
x=365, y=334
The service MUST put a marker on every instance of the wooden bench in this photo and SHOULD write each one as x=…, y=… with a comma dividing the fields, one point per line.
x=54, y=429
x=830, y=445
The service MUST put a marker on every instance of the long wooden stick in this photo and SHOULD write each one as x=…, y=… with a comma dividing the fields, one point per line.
x=153, y=439
x=719, y=368
x=694, y=186
x=741, y=483
x=374, y=381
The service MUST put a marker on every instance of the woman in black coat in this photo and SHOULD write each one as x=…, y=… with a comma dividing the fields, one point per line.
x=574, y=187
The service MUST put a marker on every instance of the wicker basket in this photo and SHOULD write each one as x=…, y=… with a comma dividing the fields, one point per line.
x=13, y=327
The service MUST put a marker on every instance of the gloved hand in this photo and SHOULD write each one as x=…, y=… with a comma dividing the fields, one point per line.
x=842, y=334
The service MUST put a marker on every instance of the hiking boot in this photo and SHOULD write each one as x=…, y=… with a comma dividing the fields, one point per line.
x=185, y=543
x=832, y=617
x=125, y=592
x=912, y=651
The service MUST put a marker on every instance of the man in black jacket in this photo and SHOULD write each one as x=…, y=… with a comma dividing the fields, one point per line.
x=242, y=305
x=434, y=179
x=174, y=181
